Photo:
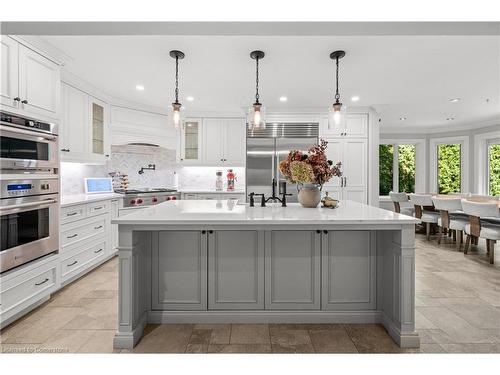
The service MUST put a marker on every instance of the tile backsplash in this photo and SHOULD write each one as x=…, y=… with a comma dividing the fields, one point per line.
x=203, y=178
x=73, y=174
x=129, y=159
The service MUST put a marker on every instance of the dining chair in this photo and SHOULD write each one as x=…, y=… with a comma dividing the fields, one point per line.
x=452, y=218
x=424, y=210
x=478, y=227
x=402, y=203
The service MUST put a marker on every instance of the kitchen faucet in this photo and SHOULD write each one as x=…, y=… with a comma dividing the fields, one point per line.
x=283, y=194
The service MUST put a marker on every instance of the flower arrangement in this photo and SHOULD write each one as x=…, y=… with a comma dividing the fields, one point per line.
x=312, y=167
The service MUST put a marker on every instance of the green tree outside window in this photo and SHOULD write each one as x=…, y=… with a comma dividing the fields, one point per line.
x=449, y=168
x=385, y=154
x=494, y=172
x=406, y=162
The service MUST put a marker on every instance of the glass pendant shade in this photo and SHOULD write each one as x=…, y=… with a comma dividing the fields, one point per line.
x=256, y=117
x=337, y=117
x=176, y=114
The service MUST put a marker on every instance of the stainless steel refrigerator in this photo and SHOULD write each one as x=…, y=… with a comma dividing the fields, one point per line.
x=266, y=148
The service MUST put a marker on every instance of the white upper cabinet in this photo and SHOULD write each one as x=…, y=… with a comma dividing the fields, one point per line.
x=222, y=142
x=191, y=142
x=213, y=141
x=9, y=68
x=30, y=82
x=39, y=83
x=234, y=142
x=84, y=127
x=74, y=138
x=356, y=126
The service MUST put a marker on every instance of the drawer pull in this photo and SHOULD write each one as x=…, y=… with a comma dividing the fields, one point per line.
x=98, y=227
x=72, y=213
x=72, y=264
x=97, y=251
x=42, y=282
x=72, y=236
x=98, y=208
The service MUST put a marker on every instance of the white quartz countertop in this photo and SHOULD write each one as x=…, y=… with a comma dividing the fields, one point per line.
x=226, y=212
x=212, y=191
x=71, y=200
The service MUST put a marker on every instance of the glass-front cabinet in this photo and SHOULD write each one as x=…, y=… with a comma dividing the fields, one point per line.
x=98, y=112
x=190, y=141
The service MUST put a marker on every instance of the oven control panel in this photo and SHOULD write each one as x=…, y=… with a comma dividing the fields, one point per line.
x=23, y=188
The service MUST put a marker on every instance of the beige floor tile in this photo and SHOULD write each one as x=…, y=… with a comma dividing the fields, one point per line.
x=421, y=322
x=240, y=348
x=97, y=314
x=67, y=341
x=471, y=348
x=291, y=341
x=250, y=334
x=101, y=294
x=332, y=341
x=165, y=338
x=101, y=341
x=219, y=333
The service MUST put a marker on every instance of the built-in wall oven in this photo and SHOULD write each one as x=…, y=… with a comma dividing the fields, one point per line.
x=29, y=190
x=27, y=143
x=29, y=212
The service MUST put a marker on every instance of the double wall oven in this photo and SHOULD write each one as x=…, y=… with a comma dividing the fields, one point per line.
x=29, y=190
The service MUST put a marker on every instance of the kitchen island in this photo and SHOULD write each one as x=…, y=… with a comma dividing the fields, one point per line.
x=222, y=262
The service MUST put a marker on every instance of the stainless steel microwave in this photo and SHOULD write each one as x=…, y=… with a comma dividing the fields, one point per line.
x=27, y=143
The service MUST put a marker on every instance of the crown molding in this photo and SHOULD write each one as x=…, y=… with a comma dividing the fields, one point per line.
x=441, y=129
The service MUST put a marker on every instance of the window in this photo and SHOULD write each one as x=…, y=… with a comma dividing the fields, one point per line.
x=494, y=167
x=397, y=164
x=449, y=168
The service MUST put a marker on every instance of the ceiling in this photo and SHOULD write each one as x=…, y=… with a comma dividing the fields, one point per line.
x=399, y=76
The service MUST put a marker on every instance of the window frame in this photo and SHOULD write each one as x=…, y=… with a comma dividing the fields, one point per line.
x=420, y=152
x=481, y=161
x=464, y=161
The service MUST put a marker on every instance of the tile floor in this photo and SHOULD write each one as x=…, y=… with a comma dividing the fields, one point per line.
x=457, y=311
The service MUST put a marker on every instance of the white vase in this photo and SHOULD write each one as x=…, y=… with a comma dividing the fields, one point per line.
x=309, y=195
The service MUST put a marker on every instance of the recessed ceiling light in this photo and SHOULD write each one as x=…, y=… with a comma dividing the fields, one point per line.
x=450, y=118
x=402, y=118
x=139, y=87
x=354, y=98
x=454, y=100
x=283, y=98
x=189, y=98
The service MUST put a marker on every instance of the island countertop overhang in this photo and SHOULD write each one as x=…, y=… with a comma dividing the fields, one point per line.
x=227, y=213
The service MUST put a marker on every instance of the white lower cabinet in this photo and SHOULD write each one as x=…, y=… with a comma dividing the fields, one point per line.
x=87, y=237
x=180, y=271
x=235, y=273
x=349, y=269
x=23, y=288
x=293, y=266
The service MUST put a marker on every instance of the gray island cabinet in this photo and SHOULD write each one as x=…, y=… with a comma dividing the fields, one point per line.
x=221, y=262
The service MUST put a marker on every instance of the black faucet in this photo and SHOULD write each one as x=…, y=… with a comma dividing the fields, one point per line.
x=283, y=194
x=252, y=199
x=151, y=167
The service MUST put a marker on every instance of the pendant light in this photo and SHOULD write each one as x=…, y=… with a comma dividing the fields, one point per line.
x=176, y=111
x=337, y=112
x=256, y=117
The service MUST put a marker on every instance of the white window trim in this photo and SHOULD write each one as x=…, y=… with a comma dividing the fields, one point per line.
x=420, y=154
x=481, y=161
x=464, y=159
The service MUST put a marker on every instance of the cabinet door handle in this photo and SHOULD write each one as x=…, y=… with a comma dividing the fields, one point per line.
x=97, y=251
x=24, y=101
x=71, y=213
x=42, y=282
x=345, y=181
x=318, y=231
x=210, y=231
x=72, y=264
x=98, y=208
x=65, y=149
x=325, y=231
x=72, y=236
x=203, y=232
x=98, y=227
x=17, y=99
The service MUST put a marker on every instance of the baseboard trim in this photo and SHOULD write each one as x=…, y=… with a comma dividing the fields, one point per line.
x=259, y=316
x=403, y=339
x=127, y=340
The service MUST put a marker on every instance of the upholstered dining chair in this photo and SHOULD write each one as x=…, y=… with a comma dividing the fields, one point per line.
x=477, y=227
x=424, y=210
x=452, y=218
x=401, y=203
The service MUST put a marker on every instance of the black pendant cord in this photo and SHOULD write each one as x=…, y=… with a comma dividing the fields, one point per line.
x=176, y=79
x=337, y=95
x=257, y=81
